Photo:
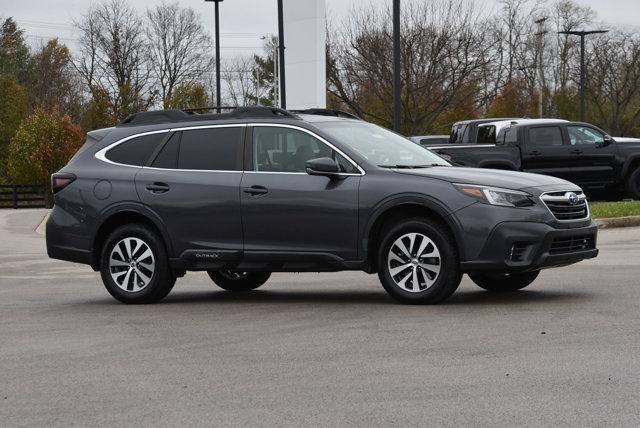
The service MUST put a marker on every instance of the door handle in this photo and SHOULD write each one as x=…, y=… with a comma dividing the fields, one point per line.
x=255, y=190
x=158, y=187
x=576, y=151
x=535, y=153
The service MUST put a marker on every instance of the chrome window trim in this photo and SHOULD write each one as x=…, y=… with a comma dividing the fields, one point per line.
x=313, y=134
x=581, y=197
x=101, y=154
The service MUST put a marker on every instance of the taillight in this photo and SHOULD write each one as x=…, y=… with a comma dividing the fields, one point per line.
x=60, y=180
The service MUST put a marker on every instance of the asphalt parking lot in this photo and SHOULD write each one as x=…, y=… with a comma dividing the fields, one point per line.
x=317, y=349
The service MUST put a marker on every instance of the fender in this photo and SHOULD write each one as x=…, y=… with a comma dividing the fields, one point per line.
x=415, y=199
x=133, y=207
x=626, y=169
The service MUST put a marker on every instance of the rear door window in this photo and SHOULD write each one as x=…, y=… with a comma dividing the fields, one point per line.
x=545, y=136
x=218, y=149
x=137, y=150
x=486, y=134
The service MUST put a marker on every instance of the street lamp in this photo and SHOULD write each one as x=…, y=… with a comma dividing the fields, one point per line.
x=583, y=71
x=217, y=41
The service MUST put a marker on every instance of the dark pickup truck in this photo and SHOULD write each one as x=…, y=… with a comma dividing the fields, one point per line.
x=575, y=151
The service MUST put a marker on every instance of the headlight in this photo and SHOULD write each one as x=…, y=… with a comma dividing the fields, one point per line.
x=496, y=196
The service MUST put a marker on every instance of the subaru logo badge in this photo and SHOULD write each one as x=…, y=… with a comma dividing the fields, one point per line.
x=572, y=197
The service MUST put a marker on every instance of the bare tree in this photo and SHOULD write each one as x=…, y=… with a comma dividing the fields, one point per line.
x=178, y=46
x=241, y=83
x=614, y=82
x=444, y=53
x=112, y=56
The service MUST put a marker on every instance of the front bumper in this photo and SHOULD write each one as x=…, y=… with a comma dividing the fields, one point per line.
x=529, y=246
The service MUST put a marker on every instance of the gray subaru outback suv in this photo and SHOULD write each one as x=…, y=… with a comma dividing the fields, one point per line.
x=260, y=190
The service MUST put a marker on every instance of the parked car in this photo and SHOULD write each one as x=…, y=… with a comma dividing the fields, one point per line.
x=259, y=190
x=466, y=131
x=577, y=152
x=426, y=140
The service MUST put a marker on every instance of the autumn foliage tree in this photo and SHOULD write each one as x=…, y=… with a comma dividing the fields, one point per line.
x=43, y=144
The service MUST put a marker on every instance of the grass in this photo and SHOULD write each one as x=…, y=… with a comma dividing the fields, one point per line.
x=614, y=209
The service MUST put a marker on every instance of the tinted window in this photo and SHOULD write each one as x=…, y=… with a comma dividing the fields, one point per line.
x=511, y=135
x=288, y=150
x=545, y=136
x=211, y=149
x=458, y=132
x=584, y=135
x=136, y=151
x=486, y=134
x=168, y=156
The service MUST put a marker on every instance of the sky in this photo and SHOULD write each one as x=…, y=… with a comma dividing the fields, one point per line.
x=242, y=22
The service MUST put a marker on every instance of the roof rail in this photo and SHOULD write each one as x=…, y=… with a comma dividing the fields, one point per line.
x=206, y=113
x=327, y=112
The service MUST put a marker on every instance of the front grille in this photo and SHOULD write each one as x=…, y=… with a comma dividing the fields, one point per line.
x=570, y=244
x=567, y=206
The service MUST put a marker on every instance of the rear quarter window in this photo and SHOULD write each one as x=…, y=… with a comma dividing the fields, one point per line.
x=137, y=150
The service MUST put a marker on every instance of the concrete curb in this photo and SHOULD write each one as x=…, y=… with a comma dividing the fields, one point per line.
x=609, y=223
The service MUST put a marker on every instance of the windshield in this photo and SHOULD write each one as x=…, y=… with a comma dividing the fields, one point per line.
x=380, y=146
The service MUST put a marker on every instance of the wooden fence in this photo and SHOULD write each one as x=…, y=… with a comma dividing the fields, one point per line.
x=22, y=196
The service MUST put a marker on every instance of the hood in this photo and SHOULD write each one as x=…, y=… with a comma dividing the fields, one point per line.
x=490, y=177
x=626, y=140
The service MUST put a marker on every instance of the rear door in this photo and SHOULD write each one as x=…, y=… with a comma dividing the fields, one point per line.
x=545, y=152
x=193, y=186
x=593, y=162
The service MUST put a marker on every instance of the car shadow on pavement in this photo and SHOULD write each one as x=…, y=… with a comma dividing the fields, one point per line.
x=350, y=297
x=481, y=297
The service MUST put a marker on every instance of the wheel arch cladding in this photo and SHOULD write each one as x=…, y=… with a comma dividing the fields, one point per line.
x=404, y=210
x=120, y=218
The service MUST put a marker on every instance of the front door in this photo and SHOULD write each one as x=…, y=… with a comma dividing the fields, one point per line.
x=546, y=153
x=592, y=161
x=285, y=210
x=192, y=185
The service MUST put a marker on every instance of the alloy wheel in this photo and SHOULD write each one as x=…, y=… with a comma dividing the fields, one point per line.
x=132, y=264
x=414, y=262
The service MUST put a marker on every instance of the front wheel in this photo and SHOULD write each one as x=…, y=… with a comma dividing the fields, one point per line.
x=418, y=262
x=504, y=282
x=232, y=280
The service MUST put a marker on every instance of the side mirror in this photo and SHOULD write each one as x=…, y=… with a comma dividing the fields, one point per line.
x=606, y=141
x=326, y=167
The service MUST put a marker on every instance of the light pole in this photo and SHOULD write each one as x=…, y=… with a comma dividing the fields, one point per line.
x=541, y=32
x=217, y=41
x=583, y=71
x=283, y=88
x=397, y=118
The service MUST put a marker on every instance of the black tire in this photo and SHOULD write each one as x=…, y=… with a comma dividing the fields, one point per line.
x=443, y=284
x=633, y=184
x=161, y=277
x=504, y=282
x=238, y=281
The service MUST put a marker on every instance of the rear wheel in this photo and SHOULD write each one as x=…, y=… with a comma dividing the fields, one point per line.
x=134, y=265
x=633, y=184
x=418, y=262
x=504, y=282
x=232, y=280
